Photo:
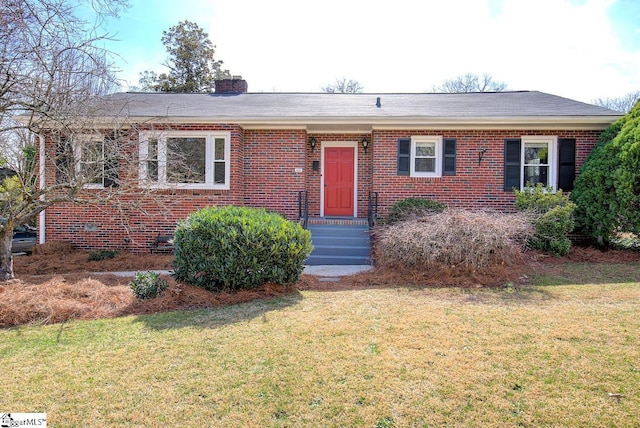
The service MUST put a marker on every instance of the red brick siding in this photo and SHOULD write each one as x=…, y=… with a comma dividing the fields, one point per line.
x=134, y=219
x=269, y=168
x=475, y=186
x=263, y=164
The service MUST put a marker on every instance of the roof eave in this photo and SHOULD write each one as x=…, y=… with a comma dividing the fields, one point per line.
x=368, y=124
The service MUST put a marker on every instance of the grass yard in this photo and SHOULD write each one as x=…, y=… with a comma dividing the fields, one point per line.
x=548, y=354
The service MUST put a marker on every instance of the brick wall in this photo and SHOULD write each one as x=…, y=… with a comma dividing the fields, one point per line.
x=475, y=186
x=136, y=215
x=274, y=169
x=263, y=174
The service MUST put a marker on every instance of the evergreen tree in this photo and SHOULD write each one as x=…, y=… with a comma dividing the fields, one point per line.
x=191, y=63
x=607, y=191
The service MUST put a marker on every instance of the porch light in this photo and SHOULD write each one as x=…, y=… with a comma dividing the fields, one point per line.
x=365, y=144
x=312, y=142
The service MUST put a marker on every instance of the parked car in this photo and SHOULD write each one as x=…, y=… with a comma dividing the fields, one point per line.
x=24, y=239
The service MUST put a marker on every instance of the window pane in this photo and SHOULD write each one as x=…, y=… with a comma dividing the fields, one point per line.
x=536, y=174
x=536, y=153
x=218, y=174
x=425, y=165
x=92, y=163
x=425, y=149
x=152, y=160
x=219, y=152
x=186, y=160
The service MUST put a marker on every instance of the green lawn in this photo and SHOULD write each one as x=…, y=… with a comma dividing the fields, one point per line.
x=544, y=355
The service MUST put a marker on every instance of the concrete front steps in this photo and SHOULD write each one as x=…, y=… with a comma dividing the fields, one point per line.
x=339, y=242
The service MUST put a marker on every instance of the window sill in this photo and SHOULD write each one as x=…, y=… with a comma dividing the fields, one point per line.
x=184, y=187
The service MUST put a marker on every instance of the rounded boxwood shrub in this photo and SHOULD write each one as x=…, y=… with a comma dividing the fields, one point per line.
x=232, y=248
x=413, y=207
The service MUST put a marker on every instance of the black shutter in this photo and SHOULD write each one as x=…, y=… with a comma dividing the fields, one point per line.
x=404, y=156
x=449, y=157
x=566, y=163
x=512, y=164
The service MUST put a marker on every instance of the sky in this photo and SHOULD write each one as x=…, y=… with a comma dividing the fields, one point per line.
x=579, y=49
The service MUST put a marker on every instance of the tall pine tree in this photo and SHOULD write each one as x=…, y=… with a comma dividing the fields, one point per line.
x=191, y=63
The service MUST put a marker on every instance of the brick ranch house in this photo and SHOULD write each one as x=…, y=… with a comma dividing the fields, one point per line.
x=337, y=154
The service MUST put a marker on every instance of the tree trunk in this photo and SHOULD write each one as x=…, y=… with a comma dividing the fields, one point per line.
x=6, y=260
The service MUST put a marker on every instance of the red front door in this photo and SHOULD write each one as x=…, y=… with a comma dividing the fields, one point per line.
x=339, y=179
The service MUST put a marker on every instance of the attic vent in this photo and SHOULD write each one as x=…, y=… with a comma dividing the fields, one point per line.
x=378, y=102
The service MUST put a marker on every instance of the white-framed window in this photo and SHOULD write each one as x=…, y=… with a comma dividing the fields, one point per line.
x=186, y=159
x=426, y=159
x=89, y=150
x=539, y=161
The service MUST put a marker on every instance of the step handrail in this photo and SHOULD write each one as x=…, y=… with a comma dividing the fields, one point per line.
x=303, y=208
x=372, y=208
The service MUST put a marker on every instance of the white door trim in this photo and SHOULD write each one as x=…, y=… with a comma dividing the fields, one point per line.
x=354, y=145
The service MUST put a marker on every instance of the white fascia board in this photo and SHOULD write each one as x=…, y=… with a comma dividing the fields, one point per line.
x=367, y=124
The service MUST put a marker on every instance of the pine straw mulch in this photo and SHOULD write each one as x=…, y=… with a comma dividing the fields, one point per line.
x=60, y=257
x=56, y=284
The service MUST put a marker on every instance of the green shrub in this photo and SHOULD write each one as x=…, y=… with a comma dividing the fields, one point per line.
x=539, y=199
x=96, y=256
x=551, y=213
x=235, y=248
x=454, y=238
x=625, y=241
x=413, y=207
x=607, y=190
x=147, y=285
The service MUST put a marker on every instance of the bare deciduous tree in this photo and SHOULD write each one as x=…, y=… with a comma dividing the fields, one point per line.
x=53, y=74
x=471, y=83
x=623, y=104
x=343, y=86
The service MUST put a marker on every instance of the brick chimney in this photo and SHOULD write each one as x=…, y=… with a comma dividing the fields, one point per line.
x=233, y=85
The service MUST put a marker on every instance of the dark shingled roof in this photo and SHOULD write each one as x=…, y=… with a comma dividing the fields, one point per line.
x=279, y=108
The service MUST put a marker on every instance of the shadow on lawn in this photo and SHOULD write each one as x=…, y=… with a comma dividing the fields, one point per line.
x=464, y=289
x=587, y=273
x=245, y=308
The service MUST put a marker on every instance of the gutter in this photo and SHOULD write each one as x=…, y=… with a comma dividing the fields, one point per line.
x=367, y=124
x=42, y=182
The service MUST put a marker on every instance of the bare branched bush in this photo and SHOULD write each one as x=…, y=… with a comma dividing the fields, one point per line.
x=454, y=238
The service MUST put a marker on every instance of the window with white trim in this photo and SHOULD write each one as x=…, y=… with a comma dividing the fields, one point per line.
x=538, y=161
x=90, y=151
x=530, y=160
x=185, y=159
x=426, y=156
x=426, y=160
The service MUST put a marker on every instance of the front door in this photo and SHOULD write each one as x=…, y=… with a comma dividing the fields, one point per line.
x=339, y=181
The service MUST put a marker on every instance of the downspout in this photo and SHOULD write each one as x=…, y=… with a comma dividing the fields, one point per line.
x=42, y=214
